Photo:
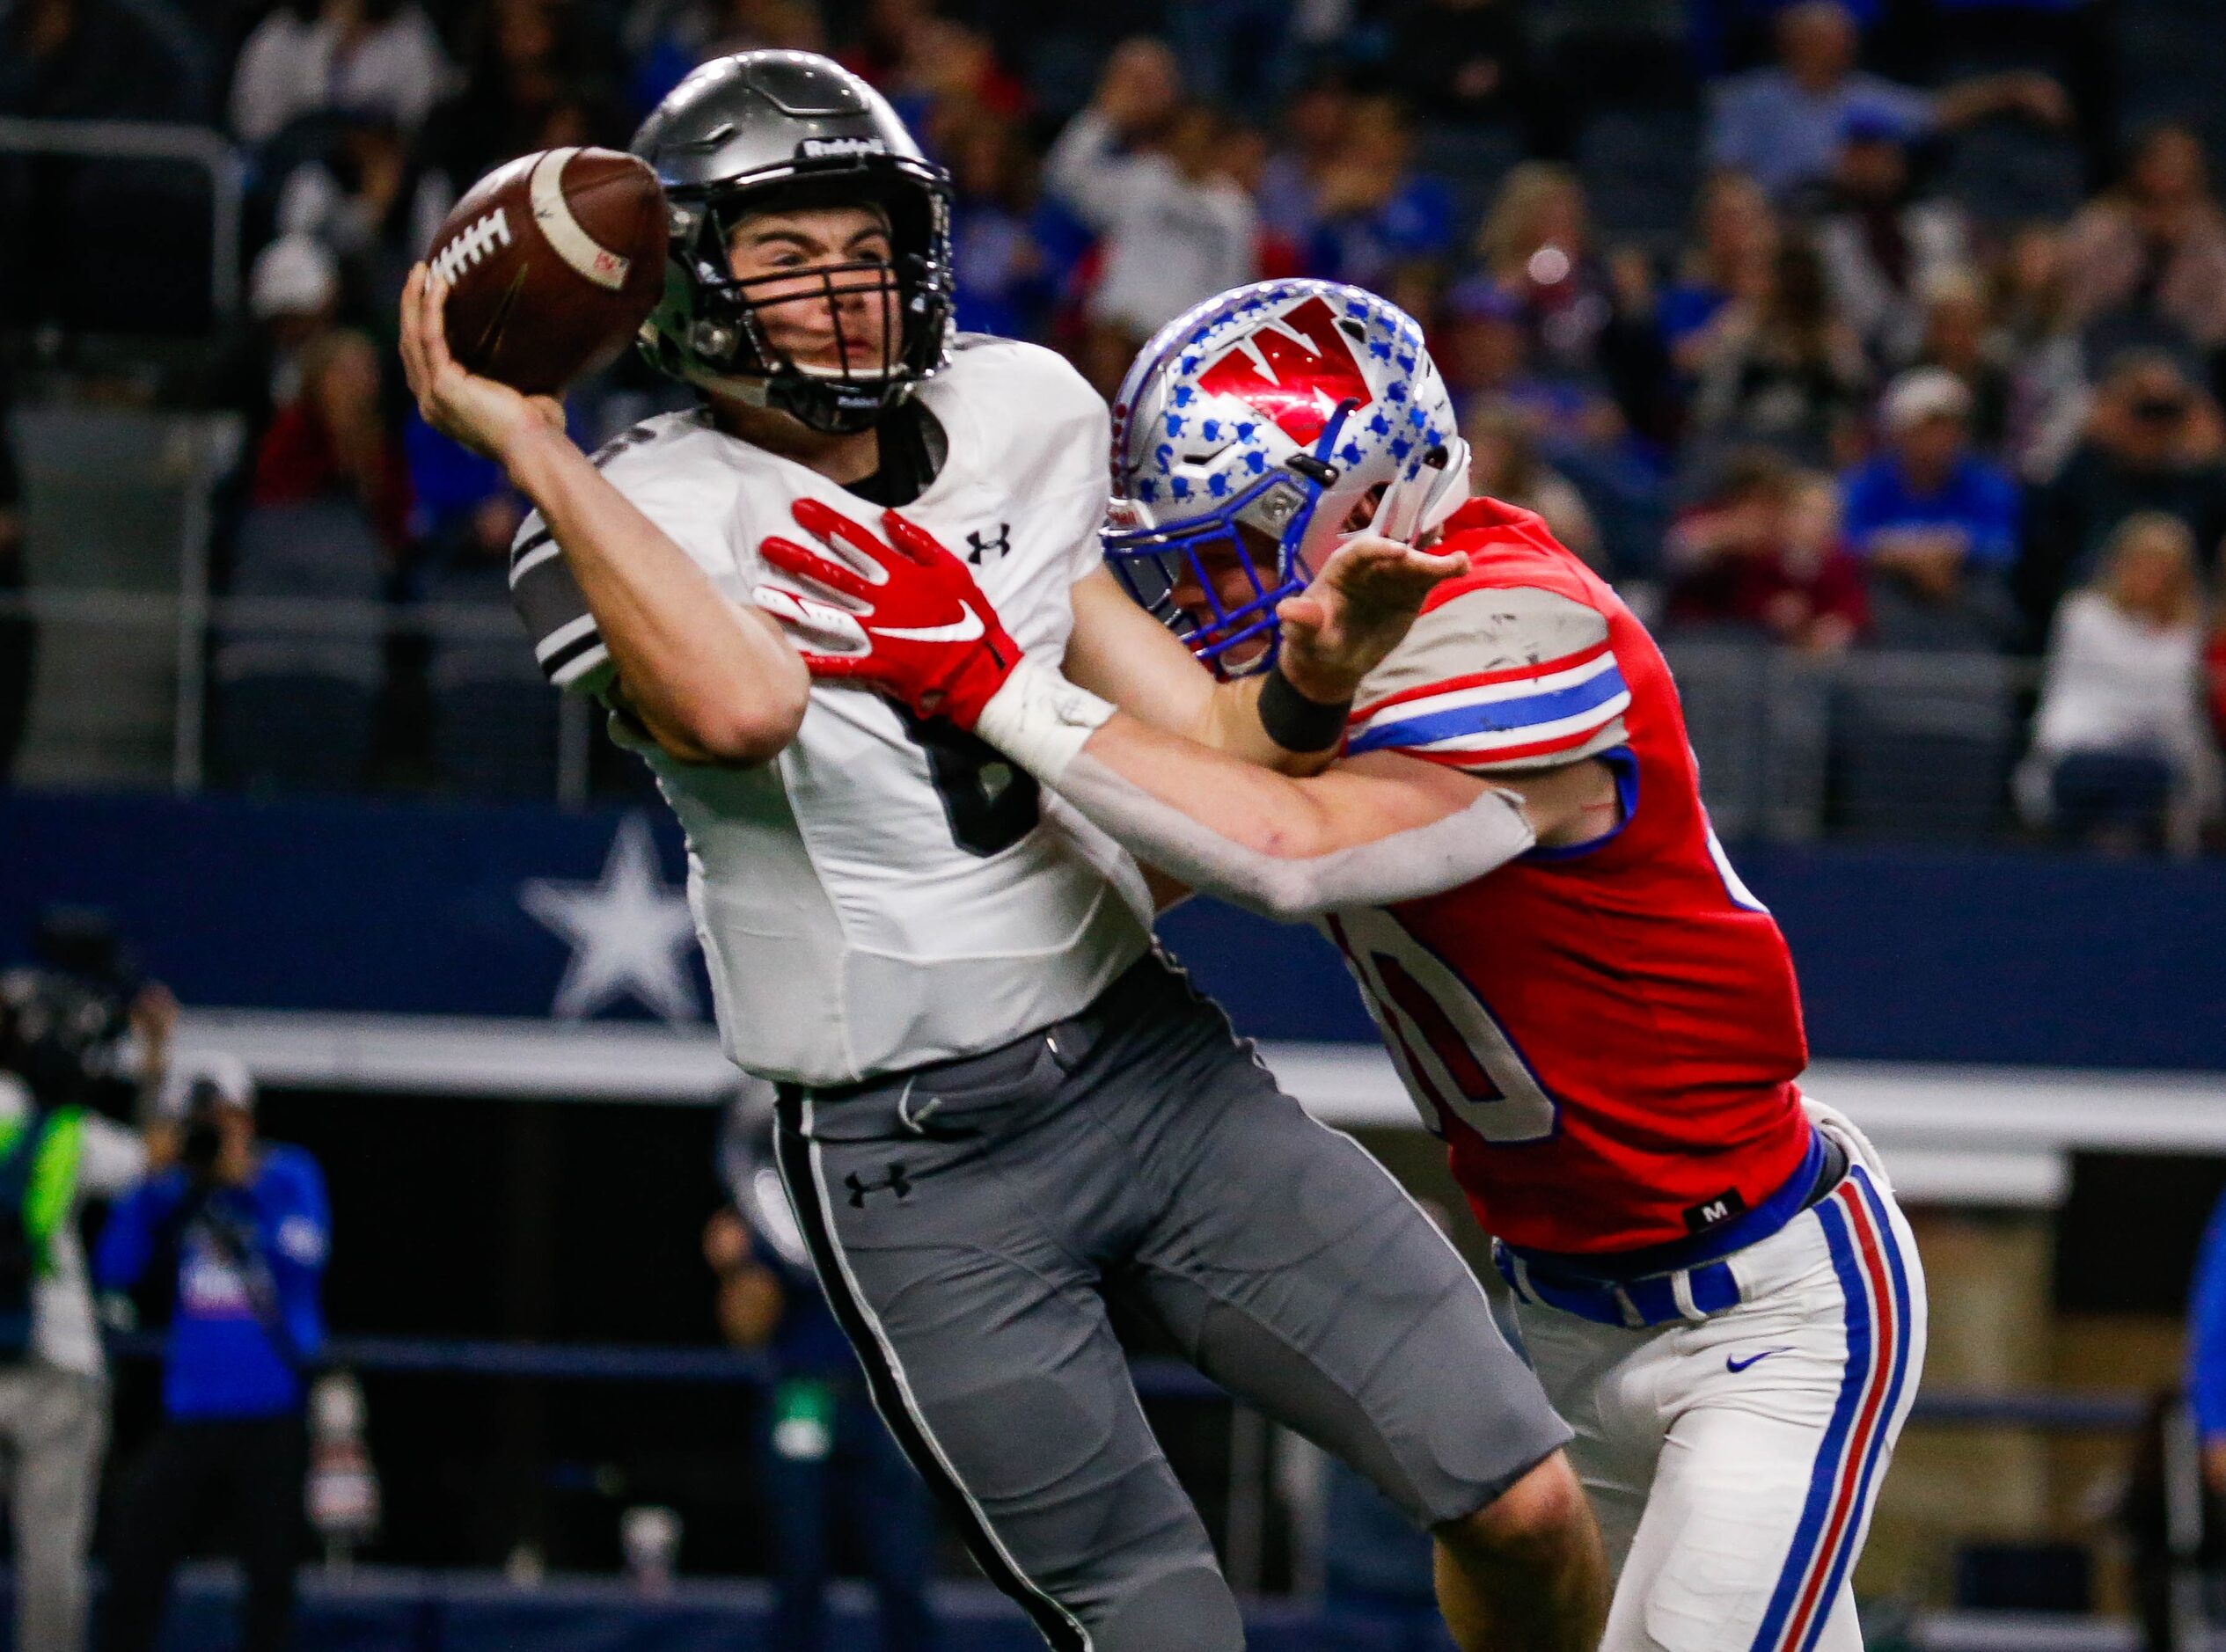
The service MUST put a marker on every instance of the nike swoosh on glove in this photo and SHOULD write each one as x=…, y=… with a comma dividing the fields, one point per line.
x=929, y=637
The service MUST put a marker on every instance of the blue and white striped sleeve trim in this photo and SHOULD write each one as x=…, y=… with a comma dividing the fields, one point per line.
x=1533, y=713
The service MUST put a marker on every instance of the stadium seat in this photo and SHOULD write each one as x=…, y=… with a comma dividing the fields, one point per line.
x=112, y=497
x=1757, y=716
x=1924, y=744
x=298, y=684
x=1719, y=678
x=1641, y=168
x=2004, y=171
x=495, y=718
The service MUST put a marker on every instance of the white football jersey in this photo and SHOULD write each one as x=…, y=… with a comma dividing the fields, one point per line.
x=886, y=893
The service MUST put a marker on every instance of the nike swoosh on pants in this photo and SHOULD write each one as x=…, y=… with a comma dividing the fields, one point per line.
x=1735, y=1366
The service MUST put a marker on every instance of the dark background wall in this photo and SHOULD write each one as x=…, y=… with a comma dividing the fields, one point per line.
x=1905, y=954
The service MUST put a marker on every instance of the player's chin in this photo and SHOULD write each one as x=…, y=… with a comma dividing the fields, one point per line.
x=852, y=357
x=1244, y=656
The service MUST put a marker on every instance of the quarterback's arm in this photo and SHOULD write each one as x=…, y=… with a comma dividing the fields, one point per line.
x=712, y=682
x=1367, y=834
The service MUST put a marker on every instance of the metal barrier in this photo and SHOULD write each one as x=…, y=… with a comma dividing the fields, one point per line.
x=200, y=622
x=1791, y=746
x=1886, y=743
x=1164, y=1379
x=1155, y=1379
x=2045, y=1410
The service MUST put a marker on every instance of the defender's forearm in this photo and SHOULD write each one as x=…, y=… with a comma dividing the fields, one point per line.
x=1287, y=847
x=1231, y=722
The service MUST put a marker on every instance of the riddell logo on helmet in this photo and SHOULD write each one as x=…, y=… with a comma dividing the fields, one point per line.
x=824, y=149
x=1296, y=383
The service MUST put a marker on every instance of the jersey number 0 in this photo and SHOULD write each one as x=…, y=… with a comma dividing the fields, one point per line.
x=1448, y=1047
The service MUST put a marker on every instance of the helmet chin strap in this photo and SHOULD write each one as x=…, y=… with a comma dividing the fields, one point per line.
x=757, y=393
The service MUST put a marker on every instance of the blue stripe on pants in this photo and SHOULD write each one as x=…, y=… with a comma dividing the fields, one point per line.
x=1824, y=1476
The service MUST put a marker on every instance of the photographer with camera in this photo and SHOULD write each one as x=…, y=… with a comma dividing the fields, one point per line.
x=59, y=1039
x=237, y=1231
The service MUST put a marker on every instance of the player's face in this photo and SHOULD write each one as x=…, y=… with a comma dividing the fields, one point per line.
x=820, y=280
x=1233, y=573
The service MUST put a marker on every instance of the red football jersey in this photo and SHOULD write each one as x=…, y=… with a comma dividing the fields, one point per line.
x=1606, y=1036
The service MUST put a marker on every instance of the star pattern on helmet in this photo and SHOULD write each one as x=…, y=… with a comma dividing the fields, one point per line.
x=1403, y=425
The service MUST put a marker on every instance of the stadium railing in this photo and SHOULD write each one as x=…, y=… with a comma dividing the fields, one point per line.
x=1879, y=745
x=2048, y=1411
x=199, y=148
x=2044, y=1411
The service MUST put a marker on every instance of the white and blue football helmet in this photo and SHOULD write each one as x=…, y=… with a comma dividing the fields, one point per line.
x=1277, y=408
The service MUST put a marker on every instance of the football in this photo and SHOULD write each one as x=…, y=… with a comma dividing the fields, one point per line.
x=552, y=261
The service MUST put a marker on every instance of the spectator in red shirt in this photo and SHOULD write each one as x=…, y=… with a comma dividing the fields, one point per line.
x=2214, y=659
x=331, y=441
x=1763, y=557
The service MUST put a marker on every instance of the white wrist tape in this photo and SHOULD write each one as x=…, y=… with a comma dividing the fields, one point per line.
x=1041, y=720
x=1402, y=865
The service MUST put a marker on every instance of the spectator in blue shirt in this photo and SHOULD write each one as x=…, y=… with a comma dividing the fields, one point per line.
x=1782, y=126
x=2207, y=1349
x=1012, y=249
x=1935, y=524
x=236, y=1229
x=1729, y=257
x=1378, y=222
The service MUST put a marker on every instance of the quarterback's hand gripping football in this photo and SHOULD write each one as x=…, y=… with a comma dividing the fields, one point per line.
x=485, y=416
x=915, y=626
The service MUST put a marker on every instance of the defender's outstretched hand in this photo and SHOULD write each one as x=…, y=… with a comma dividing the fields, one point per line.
x=913, y=623
x=1355, y=612
x=487, y=416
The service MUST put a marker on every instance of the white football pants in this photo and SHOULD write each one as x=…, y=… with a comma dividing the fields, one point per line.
x=1734, y=1461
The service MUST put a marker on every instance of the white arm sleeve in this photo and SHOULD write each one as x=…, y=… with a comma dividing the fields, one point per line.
x=1402, y=866
x=1041, y=721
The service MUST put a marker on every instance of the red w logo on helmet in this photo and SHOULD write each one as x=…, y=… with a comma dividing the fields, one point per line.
x=1301, y=386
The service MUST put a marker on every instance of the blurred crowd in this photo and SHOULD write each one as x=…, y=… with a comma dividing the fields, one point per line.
x=1758, y=305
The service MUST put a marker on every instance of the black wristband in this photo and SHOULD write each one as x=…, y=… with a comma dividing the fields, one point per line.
x=1295, y=722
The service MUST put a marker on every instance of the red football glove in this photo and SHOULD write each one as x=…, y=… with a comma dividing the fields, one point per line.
x=931, y=639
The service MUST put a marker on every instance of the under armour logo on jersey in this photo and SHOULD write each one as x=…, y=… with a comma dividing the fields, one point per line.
x=896, y=1182
x=985, y=548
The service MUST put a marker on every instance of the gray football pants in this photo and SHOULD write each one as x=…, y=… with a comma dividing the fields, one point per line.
x=54, y=1424
x=971, y=1221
